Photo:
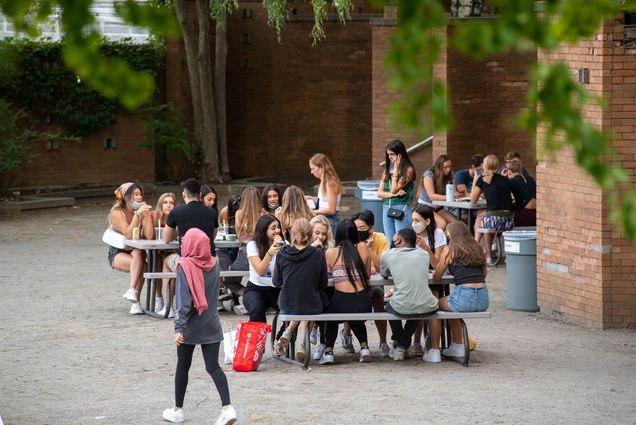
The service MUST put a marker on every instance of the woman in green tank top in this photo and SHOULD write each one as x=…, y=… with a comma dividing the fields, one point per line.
x=396, y=188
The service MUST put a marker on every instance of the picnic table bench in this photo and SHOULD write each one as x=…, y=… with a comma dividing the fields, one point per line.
x=345, y=317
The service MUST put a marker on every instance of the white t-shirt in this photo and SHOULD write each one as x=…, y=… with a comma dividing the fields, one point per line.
x=255, y=278
x=440, y=239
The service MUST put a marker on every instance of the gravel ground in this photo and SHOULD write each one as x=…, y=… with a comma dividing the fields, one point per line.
x=71, y=354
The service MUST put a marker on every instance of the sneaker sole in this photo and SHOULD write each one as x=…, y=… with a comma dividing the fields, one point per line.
x=330, y=361
x=127, y=298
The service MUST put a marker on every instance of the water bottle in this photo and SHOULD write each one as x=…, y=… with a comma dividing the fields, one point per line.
x=450, y=193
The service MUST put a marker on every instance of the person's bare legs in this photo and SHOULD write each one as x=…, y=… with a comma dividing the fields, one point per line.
x=440, y=223
x=447, y=216
x=417, y=336
x=477, y=226
x=455, y=324
x=137, y=267
x=488, y=238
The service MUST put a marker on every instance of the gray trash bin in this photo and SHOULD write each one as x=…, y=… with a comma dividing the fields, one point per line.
x=520, y=247
x=367, y=194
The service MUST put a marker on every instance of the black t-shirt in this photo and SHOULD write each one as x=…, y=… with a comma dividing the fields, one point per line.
x=194, y=215
x=497, y=193
x=523, y=190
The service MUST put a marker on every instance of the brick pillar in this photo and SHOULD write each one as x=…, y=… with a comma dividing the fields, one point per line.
x=383, y=129
x=585, y=268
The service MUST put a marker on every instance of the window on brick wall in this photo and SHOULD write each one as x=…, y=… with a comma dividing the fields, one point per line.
x=630, y=29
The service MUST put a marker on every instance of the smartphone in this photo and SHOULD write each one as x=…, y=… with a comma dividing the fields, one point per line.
x=279, y=243
x=135, y=205
x=480, y=172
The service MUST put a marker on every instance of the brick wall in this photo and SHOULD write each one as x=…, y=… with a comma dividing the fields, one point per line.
x=484, y=98
x=87, y=162
x=585, y=267
x=288, y=101
x=385, y=128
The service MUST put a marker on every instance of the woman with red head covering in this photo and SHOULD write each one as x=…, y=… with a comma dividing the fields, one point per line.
x=197, y=322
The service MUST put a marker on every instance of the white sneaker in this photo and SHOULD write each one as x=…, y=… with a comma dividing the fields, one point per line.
x=135, y=308
x=455, y=350
x=228, y=416
x=172, y=313
x=432, y=355
x=319, y=351
x=240, y=310
x=384, y=350
x=172, y=415
x=313, y=336
x=130, y=295
x=365, y=353
x=327, y=358
x=415, y=350
x=398, y=353
x=158, y=304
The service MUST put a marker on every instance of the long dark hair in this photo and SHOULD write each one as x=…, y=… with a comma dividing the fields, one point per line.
x=266, y=190
x=441, y=180
x=347, y=239
x=205, y=189
x=260, y=233
x=397, y=147
x=426, y=213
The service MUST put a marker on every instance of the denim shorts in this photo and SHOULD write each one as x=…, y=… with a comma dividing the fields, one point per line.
x=466, y=299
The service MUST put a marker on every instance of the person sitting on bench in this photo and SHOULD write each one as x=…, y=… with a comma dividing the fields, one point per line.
x=467, y=263
x=411, y=295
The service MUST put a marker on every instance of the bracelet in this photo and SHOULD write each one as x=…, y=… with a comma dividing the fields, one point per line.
x=267, y=253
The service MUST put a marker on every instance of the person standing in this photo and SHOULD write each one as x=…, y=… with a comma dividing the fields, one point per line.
x=197, y=323
x=330, y=189
x=191, y=215
x=396, y=188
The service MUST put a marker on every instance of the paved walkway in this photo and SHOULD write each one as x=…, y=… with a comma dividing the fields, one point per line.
x=71, y=354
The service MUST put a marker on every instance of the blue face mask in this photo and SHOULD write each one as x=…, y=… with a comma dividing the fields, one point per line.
x=274, y=207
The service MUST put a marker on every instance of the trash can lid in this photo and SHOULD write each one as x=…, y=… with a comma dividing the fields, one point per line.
x=368, y=184
x=520, y=234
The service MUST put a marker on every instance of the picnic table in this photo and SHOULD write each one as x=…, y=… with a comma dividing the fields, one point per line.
x=463, y=204
x=152, y=246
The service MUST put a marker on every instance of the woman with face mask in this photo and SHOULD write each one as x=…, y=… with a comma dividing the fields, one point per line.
x=429, y=237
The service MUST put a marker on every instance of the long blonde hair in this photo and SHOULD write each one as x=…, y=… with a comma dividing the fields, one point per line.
x=329, y=175
x=463, y=248
x=293, y=208
x=159, y=208
x=321, y=219
x=491, y=165
x=441, y=180
x=249, y=212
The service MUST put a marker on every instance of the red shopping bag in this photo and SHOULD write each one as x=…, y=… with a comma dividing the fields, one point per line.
x=250, y=341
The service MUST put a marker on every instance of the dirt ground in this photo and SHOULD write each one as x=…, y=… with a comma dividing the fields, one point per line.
x=71, y=354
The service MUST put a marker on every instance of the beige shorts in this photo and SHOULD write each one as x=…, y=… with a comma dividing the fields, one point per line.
x=172, y=260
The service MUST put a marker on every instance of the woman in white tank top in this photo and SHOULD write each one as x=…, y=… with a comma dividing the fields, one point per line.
x=330, y=190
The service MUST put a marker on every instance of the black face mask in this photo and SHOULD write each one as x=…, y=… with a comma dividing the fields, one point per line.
x=363, y=235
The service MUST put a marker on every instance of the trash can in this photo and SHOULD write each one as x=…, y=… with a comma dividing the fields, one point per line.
x=367, y=194
x=520, y=247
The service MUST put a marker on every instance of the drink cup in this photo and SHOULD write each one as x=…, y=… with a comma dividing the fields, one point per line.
x=135, y=234
x=159, y=233
x=450, y=193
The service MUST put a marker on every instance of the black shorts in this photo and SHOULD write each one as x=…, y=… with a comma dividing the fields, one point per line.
x=112, y=253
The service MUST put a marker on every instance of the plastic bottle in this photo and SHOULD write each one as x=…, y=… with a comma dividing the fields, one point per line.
x=450, y=193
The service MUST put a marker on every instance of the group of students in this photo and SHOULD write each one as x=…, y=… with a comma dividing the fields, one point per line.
x=509, y=191
x=293, y=244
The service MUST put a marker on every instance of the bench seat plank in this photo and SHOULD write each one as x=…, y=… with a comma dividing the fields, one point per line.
x=346, y=317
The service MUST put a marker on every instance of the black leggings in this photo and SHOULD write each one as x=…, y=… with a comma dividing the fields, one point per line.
x=211, y=359
x=346, y=302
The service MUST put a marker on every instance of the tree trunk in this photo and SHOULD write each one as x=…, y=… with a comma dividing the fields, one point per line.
x=220, y=66
x=210, y=169
x=189, y=33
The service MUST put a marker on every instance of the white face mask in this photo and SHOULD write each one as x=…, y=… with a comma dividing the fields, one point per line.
x=418, y=227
